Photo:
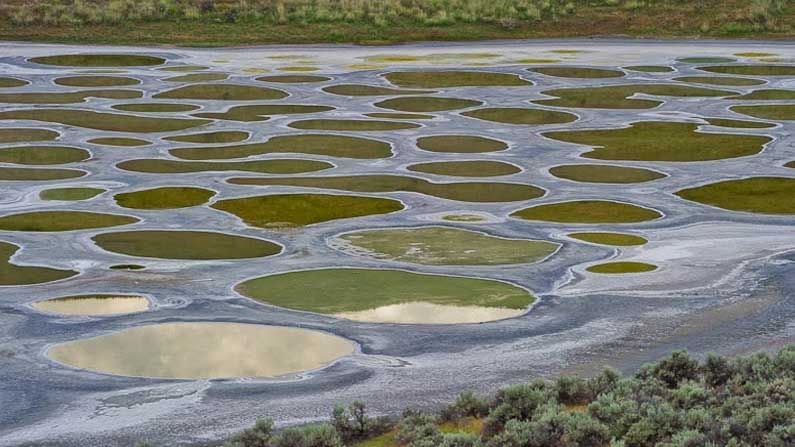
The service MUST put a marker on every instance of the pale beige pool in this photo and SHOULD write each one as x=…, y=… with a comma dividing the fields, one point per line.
x=204, y=350
x=428, y=313
x=93, y=305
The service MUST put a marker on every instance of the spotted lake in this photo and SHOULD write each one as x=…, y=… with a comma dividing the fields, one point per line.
x=192, y=239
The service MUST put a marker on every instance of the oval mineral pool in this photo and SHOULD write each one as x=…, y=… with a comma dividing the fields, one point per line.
x=292, y=79
x=93, y=305
x=447, y=79
x=764, y=195
x=204, y=351
x=441, y=246
x=12, y=274
x=70, y=194
x=96, y=81
x=156, y=107
x=98, y=60
x=390, y=296
x=622, y=267
x=12, y=82
x=578, y=72
x=198, y=77
x=429, y=313
x=62, y=220
x=187, y=245
x=120, y=142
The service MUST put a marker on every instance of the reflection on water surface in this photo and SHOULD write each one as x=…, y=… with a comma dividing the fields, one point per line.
x=204, y=351
x=94, y=305
x=429, y=313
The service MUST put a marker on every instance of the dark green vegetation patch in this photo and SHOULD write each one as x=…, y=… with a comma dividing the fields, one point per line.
x=193, y=245
x=352, y=125
x=588, y=212
x=96, y=81
x=720, y=80
x=519, y=115
x=229, y=136
x=12, y=82
x=618, y=96
x=270, y=166
x=605, y=174
x=293, y=210
x=68, y=97
x=615, y=239
x=315, y=144
x=464, y=191
x=620, y=267
x=578, y=72
x=369, y=90
x=198, y=77
x=36, y=175
x=293, y=79
x=662, y=141
x=42, y=155
x=767, y=195
x=400, y=116
x=167, y=197
x=120, y=141
x=98, y=60
x=650, y=68
x=769, y=95
x=426, y=104
x=62, y=221
x=446, y=79
x=784, y=112
x=103, y=121
x=155, y=107
x=70, y=194
x=752, y=70
x=463, y=144
x=16, y=275
x=330, y=291
x=466, y=168
x=262, y=112
x=21, y=135
x=222, y=92
x=739, y=124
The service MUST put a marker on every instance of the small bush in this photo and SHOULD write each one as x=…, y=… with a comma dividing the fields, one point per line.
x=518, y=402
x=418, y=429
x=354, y=425
x=585, y=431
x=572, y=390
x=461, y=440
x=466, y=405
x=260, y=435
x=673, y=370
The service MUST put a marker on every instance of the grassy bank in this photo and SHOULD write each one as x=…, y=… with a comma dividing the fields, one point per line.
x=248, y=22
x=676, y=402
